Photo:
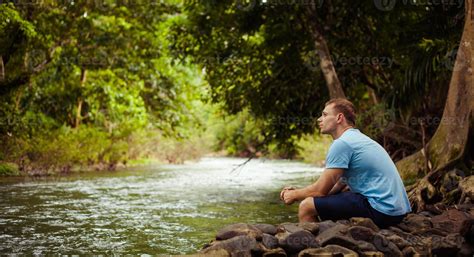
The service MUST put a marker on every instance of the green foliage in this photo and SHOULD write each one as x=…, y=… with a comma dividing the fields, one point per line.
x=105, y=82
x=86, y=80
x=8, y=169
x=238, y=135
x=312, y=148
x=261, y=57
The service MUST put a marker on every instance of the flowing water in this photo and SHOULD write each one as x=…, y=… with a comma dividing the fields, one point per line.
x=155, y=210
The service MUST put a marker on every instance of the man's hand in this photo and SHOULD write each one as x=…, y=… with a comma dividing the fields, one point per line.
x=288, y=195
x=285, y=189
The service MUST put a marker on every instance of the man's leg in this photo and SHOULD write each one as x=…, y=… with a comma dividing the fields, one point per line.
x=307, y=210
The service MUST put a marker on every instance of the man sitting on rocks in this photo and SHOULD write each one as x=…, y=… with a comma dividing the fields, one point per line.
x=355, y=161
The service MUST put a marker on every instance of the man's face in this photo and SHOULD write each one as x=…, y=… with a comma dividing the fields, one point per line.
x=329, y=119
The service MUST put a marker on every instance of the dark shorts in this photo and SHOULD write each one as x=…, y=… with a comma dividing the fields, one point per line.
x=349, y=204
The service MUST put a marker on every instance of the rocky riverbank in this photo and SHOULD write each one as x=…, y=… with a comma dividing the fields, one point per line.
x=443, y=231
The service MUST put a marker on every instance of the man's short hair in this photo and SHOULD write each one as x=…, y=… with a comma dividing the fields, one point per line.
x=345, y=107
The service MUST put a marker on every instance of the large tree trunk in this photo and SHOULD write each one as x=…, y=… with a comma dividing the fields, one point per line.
x=327, y=66
x=448, y=145
x=2, y=69
x=80, y=101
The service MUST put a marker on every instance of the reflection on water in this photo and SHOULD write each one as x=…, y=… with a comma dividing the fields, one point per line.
x=172, y=209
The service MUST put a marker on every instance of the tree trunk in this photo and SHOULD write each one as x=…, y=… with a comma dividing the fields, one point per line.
x=448, y=145
x=80, y=100
x=327, y=66
x=2, y=69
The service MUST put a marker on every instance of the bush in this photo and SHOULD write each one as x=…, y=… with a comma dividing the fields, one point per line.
x=238, y=134
x=8, y=169
x=313, y=148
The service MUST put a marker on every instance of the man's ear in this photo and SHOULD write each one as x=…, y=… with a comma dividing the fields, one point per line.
x=340, y=117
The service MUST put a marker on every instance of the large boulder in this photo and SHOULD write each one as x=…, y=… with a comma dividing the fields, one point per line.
x=324, y=225
x=446, y=246
x=267, y=228
x=236, y=246
x=467, y=188
x=453, y=221
x=298, y=241
x=312, y=227
x=328, y=251
x=278, y=252
x=388, y=248
x=239, y=229
x=269, y=241
x=350, y=243
x=210, y=253
x=364, y=222
x=361, y=233
x=414, y=222
x=337, y=229
x=290, y=227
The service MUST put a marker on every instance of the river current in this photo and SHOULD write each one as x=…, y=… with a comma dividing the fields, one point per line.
x=152, y=210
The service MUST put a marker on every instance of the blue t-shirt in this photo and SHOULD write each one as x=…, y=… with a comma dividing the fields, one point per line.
x=369, y=170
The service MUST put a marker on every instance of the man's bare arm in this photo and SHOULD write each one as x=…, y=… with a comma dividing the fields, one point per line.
x=321, y=187
x=338, y=187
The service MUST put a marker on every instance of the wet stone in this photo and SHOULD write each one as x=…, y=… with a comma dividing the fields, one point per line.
x=267, y=228
x=239, y=229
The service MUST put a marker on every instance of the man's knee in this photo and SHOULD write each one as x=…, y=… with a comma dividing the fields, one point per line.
x=307, y=207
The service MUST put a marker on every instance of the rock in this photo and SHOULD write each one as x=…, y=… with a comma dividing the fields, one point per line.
x=465, y=207
x=349, y=243
x=411, y=251
x=236, y=246
x=282, y=235
x=364, y=222
x=398, y=241
x=426, y=214
x=338, y=229
x=371, y=254
x=326, y=225
x=385, y=246
x=312, y=227
x=211, y=253
x=467, y=188
x=328, y=251
x=344, y=222
x=400, y=233
x=470, y=235
x=269, y=241
x=278, y=252
x=429, y=232
x=414, y=222
x=453, y=221
x=290, y=227
x=436, y=208
x=446, y=246
x=451, y=180
x=298, y=241
x=361, y=233
x=466, y=250
x=266, y=228
x=239, y=229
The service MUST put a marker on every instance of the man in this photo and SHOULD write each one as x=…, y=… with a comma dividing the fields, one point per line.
x=358, y=162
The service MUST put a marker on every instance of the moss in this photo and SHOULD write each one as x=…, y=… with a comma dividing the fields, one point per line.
x=412, y=167
x=410, y=181
x=8, y=169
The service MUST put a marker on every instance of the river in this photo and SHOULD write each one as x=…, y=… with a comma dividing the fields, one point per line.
x=152, y=210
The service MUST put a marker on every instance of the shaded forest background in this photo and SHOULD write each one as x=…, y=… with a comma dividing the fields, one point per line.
x=96, y=84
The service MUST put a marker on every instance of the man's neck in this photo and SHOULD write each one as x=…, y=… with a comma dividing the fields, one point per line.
x=339, y=131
